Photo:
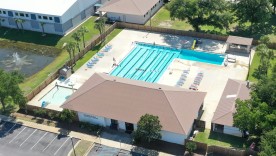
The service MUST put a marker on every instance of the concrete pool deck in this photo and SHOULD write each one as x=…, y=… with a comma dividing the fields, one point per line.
x=213, y=82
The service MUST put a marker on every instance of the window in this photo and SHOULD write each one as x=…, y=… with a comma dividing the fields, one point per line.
x=51, y=18
x=16, y=14
x=27, y=15
x=22, y=15
x=45, y=17
x=57, y=20
x=33, y=16
x=4, y=12
x=0, y=12
x=39, y=17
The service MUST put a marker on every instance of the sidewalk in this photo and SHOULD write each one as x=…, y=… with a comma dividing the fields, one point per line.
x=82, y=136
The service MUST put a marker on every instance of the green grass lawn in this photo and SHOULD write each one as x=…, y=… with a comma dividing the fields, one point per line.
x=92, y=52
x=254, y=66
x=220, y=139
x=49, y=39
x=81, y=148
x=162, y=19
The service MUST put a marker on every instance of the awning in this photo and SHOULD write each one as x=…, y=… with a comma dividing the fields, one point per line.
x=98, y=5
x=239, y=40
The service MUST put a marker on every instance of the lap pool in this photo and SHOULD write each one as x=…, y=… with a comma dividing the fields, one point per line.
x=148, y=62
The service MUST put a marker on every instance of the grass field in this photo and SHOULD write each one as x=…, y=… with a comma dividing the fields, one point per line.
x=49, y=39
x=220, y=139
x=162, y=19
x=81, y=148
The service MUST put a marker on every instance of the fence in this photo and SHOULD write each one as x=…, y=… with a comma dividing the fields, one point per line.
x=79, y=55
x=122, y=25
x=203, y=148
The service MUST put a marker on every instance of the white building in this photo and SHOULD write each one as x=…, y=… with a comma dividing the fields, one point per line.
x=54, y=16
x=119, y=103
x=131, y=11
x=223, y=116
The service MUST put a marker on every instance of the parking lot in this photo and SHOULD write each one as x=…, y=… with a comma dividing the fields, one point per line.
x=16, y=139
x=102, y=150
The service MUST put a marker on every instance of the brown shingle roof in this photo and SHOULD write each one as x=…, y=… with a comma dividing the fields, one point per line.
x=233, y=90
x=239, y=40
x=131, y=7
x=127, y=100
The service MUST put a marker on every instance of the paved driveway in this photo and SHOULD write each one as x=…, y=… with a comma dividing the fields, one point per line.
x=16, y=140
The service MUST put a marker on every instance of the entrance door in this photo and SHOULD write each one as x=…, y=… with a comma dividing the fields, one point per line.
x=114, y=124
x=129, y=127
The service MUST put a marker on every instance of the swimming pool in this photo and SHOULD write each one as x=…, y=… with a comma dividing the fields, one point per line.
x=57, y=95
x=148, y=62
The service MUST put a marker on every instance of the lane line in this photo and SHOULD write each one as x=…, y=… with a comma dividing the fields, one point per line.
x=10, y=129
x=49, y=143
x=2, y=125
x=28, y=137
x=39, y=140
x=17, y=134
x=61, y=145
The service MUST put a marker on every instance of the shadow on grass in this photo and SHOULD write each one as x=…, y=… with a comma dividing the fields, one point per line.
x=29, y=36
x=236, y=142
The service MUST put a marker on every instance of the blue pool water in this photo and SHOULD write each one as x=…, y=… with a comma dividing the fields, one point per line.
x=57, y=96
x=148, y=62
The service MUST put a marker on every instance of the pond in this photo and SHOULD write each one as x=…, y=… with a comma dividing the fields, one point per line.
x=28, y=60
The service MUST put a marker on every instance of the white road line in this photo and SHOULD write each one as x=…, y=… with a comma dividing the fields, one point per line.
x=49, y=143
x=39, y=140
x=10, y=129
x=3, y=124
x=17, y=135
x=61, y=145
x=28, y=137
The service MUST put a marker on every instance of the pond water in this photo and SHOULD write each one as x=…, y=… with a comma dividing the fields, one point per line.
x=25, y=62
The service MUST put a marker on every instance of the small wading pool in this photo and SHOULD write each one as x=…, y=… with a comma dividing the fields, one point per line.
x=57, y=96
x=148, y=62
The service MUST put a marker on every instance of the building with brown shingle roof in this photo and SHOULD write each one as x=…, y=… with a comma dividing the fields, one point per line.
x=119, y=103
x=131, y=11
x=223, y=117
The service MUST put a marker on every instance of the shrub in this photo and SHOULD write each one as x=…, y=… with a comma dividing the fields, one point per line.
x=40, y=112
x=191, y=146
x=90, y=127
x=67, y=115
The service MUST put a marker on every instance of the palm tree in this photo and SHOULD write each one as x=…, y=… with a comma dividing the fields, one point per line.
x=17, y=20
x=1, y=20
x=77, y=37
x=42, y=26
x=82, y=31
x=100, y=25
x=70, y=48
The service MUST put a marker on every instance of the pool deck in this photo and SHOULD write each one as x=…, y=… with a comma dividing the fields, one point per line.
x=213, y=82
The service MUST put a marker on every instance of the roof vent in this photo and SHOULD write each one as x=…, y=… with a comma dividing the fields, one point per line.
x=114, y=80
x=159, y=88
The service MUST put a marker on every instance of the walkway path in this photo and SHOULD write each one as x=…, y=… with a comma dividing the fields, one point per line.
x=103, y=141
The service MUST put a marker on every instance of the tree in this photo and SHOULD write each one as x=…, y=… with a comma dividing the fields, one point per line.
x=190, y=146
x=148, y=128
x=16, y=22
x=77, y=37
x=273, y=2
x=67, y=115
x=9, y=88
x=257, y=12
x=100, y=25
x=258, y=114
x=266, y=55
x=42, y=26
x=1, y=20
x=268, y=143
x=82, y=31
x=199, y=12
x=70, y=48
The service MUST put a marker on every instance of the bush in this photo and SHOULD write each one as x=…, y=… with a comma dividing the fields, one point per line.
x=90, y=127
x=191, y=146
x=40, y=112
x=67, y=115
x=52, y=115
